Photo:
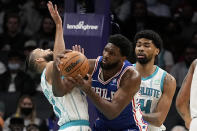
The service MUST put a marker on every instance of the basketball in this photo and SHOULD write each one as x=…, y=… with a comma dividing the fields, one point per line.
x=73, y=64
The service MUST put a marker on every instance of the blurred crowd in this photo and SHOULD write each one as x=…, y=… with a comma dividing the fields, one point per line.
x=176, y=22
x=26, y=25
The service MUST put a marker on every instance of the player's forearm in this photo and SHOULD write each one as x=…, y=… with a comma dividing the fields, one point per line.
x=182, y=104
x=153, y=119
x=103, y=106
x=59, y=45
x=183, y=110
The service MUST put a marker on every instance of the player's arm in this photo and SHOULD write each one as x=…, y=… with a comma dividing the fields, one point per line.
x=129, y=85
x=59, y=45
x=61, y=86
x=159, y=114
x=183, y=97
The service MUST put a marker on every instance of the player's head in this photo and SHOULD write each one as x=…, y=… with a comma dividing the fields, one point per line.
x=147, y=46
x=116, y=51
x=38, y=58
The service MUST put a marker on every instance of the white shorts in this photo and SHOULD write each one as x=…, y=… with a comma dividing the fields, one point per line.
x=77, y=125
x=193, y=125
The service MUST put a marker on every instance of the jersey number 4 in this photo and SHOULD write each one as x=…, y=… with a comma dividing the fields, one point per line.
x=145, y=105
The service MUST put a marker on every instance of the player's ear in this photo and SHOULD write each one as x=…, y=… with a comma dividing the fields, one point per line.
x=157, y=51
x=39, y=59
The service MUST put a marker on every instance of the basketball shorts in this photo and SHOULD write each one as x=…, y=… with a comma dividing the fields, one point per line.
x=78, y=125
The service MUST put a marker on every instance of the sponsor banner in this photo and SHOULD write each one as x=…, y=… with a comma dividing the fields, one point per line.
x=83, y=24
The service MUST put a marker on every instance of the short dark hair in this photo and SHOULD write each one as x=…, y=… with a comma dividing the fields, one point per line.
x=151, y=35
x=121, y=42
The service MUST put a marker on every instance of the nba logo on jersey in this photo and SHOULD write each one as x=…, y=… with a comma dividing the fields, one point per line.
x=157, y=82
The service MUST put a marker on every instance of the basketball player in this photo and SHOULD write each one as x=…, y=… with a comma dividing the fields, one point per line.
x=186, y=99
x=157, y=86
x=69, y=104
x=111, y=87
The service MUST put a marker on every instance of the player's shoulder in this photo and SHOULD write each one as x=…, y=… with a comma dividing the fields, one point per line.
x=169, y=79
x=131, y=73
x=194, y=63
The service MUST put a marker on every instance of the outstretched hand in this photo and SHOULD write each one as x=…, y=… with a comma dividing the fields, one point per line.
x=54, y=13
x=78, y=48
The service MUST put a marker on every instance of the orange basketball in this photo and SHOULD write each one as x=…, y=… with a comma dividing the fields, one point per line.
x=73, y=64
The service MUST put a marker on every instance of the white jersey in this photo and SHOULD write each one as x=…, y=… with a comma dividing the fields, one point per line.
x=71, y=107
x=151, y=89
x=193, y=93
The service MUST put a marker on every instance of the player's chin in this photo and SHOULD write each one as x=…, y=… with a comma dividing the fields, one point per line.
x=103, y=64
x=142, y=60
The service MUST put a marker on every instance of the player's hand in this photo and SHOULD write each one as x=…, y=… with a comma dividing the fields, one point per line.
x=84, y=84
x=78, y=48
x=66, y=51
x=69, y=83
x=54, y=13
x=57, y=61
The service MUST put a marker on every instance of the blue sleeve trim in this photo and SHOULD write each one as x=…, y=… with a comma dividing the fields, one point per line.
x=62, y=77
x=162, y=80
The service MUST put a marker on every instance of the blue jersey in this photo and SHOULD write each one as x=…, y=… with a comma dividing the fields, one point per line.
x=130, y=118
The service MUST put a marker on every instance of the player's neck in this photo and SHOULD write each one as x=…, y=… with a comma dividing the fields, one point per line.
x=145, y=69
x=42, y=67
x=48, y=73
x=107, y=74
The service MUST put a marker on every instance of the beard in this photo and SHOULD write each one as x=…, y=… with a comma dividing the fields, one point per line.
x=144, y=60
x=49, y=57
x=109, y=66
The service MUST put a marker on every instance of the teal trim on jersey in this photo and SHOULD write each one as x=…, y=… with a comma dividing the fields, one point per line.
x=57, y=111
x=75, y=106
x=149, y=77
x=62, y=77
x=162, y=80
x=75, y=123
x=43, y=75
